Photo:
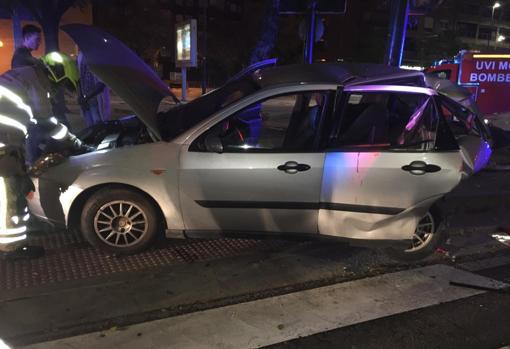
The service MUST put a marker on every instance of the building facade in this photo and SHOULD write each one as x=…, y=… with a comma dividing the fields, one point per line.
x=458, y=25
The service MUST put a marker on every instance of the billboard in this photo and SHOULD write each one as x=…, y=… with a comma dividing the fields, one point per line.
x=186, y=44
x=323, y=6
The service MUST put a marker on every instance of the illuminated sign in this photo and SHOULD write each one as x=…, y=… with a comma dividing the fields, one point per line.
x=481, y=68
x=186, y=44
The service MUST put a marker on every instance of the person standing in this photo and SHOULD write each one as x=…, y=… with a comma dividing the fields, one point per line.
x=24, y=101
x=31, y=41
x=94, y=97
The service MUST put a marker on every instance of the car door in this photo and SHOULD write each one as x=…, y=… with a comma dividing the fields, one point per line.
x=257, y=170
x=469, y=132
x=384, y=167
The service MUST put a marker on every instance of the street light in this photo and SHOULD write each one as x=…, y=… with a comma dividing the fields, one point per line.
x=500, y=38
x=494, y=7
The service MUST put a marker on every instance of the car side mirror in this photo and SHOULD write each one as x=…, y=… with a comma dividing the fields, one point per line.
x=213, y=144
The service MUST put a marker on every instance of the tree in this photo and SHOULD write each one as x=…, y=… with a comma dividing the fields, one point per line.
x=268, y=34
x=47, y=13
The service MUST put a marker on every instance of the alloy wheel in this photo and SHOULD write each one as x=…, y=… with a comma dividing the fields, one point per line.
x=120, y=223
x=423, y=234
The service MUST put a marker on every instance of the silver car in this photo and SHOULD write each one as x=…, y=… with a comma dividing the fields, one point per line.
x=358, y=152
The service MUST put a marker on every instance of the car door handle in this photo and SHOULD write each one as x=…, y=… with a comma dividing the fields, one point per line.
x=293, y=167
x=420, y=168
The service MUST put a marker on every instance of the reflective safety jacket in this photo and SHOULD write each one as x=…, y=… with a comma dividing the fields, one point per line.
x=24, y=102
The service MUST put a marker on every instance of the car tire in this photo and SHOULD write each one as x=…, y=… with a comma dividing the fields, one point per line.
x=431, y=239
x=119, y=221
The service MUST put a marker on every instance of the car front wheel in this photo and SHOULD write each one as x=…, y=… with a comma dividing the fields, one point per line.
x=119, y=220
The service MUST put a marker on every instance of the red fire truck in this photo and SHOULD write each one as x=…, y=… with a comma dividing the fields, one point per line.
x=487, y=75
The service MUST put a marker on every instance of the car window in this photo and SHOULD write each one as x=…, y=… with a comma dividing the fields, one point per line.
x=278, y=124
x=462, y=121
x=386, y=120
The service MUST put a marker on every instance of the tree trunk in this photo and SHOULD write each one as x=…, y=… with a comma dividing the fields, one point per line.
x=269, y=34
x=16, y=28
x=50, y=30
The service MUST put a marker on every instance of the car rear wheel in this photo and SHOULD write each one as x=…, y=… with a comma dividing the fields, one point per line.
x=426, y=239
x=119, y=220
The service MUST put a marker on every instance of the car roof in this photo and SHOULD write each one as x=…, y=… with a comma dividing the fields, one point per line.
x=343, y=74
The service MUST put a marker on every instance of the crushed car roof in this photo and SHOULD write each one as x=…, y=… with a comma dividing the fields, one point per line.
x=344, y=74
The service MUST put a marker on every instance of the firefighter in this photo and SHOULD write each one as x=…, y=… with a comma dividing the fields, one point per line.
x=25, y=107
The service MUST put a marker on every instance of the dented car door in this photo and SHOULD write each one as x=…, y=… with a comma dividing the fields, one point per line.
x=384, y=167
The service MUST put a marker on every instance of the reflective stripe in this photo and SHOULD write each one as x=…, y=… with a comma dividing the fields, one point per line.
x=5, y=120
x=60, y=133
x=26, y=217
x=54, y=120
x=11, y=240
x=15, y=219
x=5, y=92
x=13, y=231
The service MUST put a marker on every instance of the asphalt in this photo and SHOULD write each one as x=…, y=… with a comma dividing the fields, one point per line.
x=477, y=322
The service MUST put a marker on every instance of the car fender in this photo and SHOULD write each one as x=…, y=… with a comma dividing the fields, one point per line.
x=160, y=185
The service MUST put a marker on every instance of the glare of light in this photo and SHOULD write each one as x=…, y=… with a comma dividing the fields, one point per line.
x=391, y=88
x=486, y=121
x=246, y=146
x=2, y=145
x=3, y=204
x=323, y=59
x=501, y=237
x=494, y=56
x=1, y=43
x=15, y=219
x=61, y=133
x=496, y=5
x=105, y=40
x=103, y=146
x=500, y=38
x=3, y=345
x=412, y=67
x=54, y=120
x=57, y=57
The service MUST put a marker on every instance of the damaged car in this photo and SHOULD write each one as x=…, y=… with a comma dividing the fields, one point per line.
x=351, y=151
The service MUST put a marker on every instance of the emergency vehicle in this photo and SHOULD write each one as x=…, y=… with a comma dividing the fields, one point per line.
x=486, y=75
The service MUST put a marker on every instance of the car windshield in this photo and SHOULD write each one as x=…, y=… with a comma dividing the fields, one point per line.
x=184, y=116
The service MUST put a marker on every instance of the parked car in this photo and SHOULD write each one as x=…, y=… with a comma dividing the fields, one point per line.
x=351, y=151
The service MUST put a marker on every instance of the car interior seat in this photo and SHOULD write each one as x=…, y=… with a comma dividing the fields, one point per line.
x=370, y=127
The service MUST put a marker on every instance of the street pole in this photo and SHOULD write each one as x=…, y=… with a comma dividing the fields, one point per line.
x=397, y=32
x=310, y=35
x=494, y=7
x=184, y=84
x=204, y=54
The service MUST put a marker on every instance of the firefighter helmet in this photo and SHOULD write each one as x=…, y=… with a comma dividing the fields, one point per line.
x=61, y=67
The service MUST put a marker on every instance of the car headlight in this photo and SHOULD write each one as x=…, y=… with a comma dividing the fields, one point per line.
x=44, y=163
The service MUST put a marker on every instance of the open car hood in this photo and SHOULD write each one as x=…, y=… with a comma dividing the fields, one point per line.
x=122, y=70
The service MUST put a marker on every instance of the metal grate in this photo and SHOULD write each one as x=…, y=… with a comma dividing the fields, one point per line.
x=69, y=258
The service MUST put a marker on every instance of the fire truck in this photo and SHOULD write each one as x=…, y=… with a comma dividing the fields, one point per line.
x=486, y=75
